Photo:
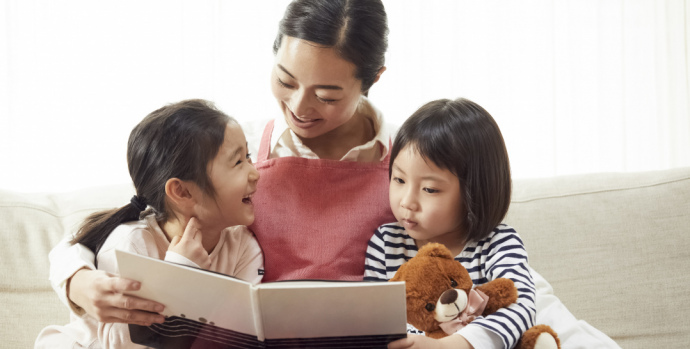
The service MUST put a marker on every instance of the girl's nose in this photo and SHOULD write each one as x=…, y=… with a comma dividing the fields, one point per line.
x=254, y=174
x=409, y=202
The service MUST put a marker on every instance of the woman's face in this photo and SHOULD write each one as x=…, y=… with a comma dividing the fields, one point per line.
x=315, y=88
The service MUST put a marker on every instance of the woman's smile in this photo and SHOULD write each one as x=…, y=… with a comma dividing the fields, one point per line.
x=302, y=122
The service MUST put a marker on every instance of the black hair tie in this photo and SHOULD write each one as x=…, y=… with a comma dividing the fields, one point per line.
x=138, y=203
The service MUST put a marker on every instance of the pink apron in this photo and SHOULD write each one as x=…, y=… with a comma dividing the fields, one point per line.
x=314, y=217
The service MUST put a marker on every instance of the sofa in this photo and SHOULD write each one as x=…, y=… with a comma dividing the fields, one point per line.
x=615, y=248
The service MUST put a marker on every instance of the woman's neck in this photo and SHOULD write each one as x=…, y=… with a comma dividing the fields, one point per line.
x=335, y=144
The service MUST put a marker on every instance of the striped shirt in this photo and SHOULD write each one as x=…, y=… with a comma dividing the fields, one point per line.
x=501, y=254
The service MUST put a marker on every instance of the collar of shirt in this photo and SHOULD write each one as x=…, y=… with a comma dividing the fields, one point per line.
x=285, y=143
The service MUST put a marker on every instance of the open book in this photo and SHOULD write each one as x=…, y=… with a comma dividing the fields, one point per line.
x=212, y=310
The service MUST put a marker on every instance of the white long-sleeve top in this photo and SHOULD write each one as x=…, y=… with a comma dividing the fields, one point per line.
x=237, y=254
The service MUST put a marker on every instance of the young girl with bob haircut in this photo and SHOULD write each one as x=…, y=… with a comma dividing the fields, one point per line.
x=193, y=178
x=450, y=183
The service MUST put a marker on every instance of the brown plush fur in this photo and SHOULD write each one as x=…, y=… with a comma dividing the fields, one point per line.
x=426, y=276
x=529, y=338
x=501, y=292
x=429, y=274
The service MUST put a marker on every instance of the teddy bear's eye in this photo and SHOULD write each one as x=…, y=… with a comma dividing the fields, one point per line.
x=430, y=306
x=453, y=284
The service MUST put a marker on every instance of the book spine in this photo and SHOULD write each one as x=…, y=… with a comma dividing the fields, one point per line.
x=256, y=310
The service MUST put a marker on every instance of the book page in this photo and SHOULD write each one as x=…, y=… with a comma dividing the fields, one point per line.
x=312, y=309
x=207, y=309
x=194, y=294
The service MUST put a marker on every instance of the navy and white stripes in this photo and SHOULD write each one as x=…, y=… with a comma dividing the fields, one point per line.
x=502, y=254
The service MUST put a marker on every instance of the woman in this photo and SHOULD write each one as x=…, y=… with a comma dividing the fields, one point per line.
x=323, y=165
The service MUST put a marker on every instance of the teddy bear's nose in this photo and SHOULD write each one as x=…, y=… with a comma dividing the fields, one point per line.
x=448, y=297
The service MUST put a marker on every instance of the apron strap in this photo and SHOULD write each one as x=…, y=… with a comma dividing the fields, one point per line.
x=390, y=148
x=265, y=145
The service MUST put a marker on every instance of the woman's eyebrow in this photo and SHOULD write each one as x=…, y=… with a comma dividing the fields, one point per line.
x=285, y=70
x=325, y=87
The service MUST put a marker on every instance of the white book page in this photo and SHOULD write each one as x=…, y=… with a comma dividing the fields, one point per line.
x=332, y=309
x=197, y=294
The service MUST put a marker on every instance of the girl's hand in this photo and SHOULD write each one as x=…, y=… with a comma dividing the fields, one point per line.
x=101, y=295
x=189, y=245
x=415, y=341
x=423, y=342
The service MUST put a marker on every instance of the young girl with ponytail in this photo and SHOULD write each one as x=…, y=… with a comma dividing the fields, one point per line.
x=193, y=178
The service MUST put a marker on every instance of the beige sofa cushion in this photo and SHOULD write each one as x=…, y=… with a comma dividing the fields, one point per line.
x=615, y=248
x=31, y=225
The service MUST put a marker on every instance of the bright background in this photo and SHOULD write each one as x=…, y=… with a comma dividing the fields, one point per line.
x=576, y=86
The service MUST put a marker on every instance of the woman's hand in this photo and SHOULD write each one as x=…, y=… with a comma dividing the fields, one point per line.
x=101, y=295
x=189, y=245
x=415, y=341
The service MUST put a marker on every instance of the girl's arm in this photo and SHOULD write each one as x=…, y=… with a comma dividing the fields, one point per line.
x=504, y=256
x=375, y=259
x=97, y=293
x=250, y=262
x=423, y=342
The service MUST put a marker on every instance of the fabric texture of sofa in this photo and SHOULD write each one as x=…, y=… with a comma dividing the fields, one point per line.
x=614, y=246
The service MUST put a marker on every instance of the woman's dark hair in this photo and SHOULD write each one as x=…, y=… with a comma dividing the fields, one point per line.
x=175, y=141
x=460, y=136
x=356, y=29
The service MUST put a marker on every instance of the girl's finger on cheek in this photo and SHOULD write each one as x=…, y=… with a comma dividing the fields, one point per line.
x=175, y=240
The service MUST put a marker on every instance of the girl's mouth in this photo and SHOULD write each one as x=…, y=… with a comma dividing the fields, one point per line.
x=408, y=224
x=247, y=199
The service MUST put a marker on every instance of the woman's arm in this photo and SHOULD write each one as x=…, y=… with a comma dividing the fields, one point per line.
x=65, y=260
x=99, y=294
x=572, y=332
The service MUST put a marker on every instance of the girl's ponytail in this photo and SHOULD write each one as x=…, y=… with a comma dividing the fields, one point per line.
x=175, y=141
x=98, y=226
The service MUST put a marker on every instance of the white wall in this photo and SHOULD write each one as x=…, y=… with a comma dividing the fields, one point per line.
x=576, y=86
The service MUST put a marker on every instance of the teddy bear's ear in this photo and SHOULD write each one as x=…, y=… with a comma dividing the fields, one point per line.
x=433, y=249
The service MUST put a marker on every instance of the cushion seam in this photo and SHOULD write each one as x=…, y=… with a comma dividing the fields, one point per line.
x=600, y=191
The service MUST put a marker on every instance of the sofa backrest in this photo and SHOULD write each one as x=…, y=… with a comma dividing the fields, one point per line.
x=616, y=249
x=614, y=246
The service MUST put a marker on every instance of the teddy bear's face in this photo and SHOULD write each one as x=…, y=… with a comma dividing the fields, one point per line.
x=437, y=287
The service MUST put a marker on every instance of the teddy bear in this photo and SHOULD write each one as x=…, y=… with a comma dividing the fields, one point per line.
x=441, y=298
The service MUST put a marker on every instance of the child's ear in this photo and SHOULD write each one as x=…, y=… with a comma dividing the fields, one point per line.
x=378, y=75
x=179, y=193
